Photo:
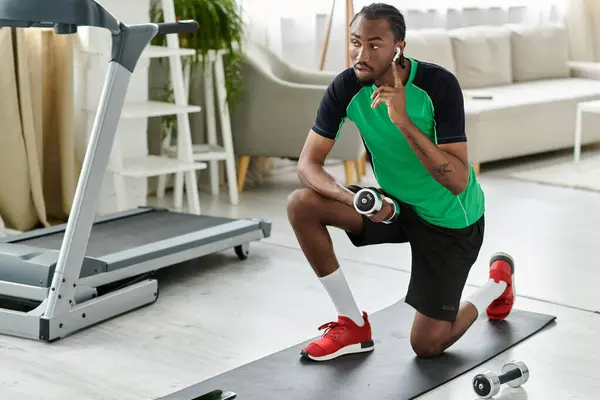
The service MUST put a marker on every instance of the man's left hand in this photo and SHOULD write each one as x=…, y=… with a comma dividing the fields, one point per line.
x=394, y=97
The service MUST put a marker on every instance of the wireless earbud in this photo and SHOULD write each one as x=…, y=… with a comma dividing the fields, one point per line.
x=398, y=52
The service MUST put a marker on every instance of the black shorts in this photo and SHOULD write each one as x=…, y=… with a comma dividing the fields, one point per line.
x=441, y=258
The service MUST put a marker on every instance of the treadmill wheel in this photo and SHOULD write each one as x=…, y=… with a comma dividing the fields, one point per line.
x=242, y=251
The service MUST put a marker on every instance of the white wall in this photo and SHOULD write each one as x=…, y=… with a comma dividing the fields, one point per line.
x=91, y=66
x=298, y=36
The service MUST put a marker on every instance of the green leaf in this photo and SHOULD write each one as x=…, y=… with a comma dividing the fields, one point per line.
x=221, y=27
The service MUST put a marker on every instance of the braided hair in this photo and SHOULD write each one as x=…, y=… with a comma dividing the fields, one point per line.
x=392, y=14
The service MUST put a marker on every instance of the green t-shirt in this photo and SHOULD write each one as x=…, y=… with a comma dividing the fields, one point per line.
x=435, y=104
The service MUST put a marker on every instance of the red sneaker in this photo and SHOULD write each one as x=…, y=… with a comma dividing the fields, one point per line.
x=340, y=338
x=502, y=268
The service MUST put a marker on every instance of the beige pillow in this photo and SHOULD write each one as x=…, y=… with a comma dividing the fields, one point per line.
x=539, y=52
x=430, y=45
x=482, y=56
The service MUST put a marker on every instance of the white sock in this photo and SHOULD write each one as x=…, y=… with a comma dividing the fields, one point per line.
x=485, y=295
x=336, y=286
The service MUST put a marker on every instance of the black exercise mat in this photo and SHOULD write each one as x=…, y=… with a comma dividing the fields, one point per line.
x=391, y=371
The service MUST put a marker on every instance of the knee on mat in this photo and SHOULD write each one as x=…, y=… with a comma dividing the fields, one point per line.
x=426, y=348
x=302, y=203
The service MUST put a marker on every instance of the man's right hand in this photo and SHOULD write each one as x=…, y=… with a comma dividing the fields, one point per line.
x=386, y=212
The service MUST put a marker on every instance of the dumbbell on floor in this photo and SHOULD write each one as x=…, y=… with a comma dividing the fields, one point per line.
x=487, y=384
x=368, y=201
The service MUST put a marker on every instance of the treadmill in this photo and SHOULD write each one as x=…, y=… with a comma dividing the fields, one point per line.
x=58, y=280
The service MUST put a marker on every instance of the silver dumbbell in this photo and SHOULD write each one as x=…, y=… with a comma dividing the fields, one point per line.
x=487, y=384
x=368, y=201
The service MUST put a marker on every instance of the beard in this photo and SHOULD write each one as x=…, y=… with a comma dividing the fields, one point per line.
x=374, y=76
x=369, y=81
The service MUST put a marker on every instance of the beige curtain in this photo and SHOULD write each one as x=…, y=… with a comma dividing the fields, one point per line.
x=583, y=23
x=38, y=171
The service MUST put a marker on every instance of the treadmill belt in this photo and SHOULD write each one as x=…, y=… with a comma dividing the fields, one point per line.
x=121, y=234
x=390, y=372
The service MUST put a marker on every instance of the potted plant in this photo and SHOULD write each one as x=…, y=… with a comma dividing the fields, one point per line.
x=221, y=27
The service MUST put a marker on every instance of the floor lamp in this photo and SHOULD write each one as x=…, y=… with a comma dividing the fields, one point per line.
x=361, y=165
x=349, y=16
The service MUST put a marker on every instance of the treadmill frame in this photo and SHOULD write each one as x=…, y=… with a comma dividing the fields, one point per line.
x=56, y=316
x=69, y=304
x=34, y=325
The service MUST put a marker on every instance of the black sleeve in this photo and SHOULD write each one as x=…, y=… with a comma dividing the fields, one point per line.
x=449, y=109
x=331, y=113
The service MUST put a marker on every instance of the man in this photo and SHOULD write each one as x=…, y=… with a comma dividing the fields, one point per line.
x=411, y=117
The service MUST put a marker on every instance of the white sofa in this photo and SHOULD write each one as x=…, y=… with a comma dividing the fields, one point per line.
x=526, y=70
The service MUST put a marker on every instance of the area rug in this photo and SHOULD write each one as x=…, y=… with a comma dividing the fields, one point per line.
x=584, y=175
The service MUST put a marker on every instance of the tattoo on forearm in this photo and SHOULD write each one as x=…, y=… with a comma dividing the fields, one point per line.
x=444, y=169
x=416, y=145
x=439, y=171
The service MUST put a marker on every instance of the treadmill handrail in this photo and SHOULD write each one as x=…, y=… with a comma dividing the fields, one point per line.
x=67, y=15
x=57, y=13
x=127, y=47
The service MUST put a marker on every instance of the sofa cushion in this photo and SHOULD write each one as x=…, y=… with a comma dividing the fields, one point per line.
x=539, y=52
x=430, y=45
x=533, y=93
x=527, y=118
x=482, y=55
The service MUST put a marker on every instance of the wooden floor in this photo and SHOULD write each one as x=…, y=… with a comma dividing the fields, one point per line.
x=218, y=312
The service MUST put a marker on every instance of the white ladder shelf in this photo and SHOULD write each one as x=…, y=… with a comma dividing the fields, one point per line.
x=183, y=158
x=213, y=75
x=184, y=151
x=145, y=166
